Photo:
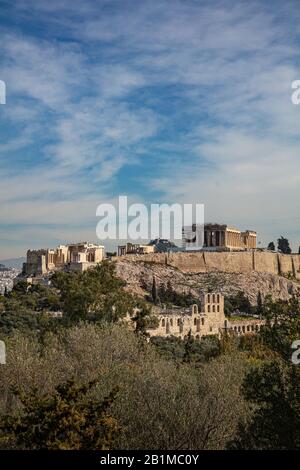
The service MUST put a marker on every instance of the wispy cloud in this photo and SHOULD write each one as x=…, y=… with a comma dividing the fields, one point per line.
x=182, y=103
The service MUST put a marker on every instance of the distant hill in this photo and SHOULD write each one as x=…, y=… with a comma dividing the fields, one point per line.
x=13, y=262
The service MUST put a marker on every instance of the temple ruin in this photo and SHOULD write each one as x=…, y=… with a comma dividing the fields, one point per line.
x=222, y=237
x=74, y=256
x=207, y=320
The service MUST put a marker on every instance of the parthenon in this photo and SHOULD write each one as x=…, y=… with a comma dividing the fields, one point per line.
x=225, y=237
x=222, y=237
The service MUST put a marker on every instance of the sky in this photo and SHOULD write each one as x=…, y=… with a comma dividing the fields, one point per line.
x=183, y=101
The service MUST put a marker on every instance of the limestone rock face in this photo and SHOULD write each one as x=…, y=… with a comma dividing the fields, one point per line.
x=139, y=278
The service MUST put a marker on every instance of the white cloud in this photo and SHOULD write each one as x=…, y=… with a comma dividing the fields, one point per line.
x=230, y=66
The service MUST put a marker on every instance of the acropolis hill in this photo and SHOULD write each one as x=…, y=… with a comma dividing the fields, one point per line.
x=256, y=272
x=227, y=262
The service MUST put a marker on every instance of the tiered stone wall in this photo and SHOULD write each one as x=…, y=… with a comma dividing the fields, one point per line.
x=245, y=262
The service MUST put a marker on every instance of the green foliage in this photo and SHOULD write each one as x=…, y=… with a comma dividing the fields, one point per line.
x=236, y=302
x=161, y=404
x=282, y=325
x=64, y=420
x=259, y=304
x=173, y=393
x=94, y=295
x=284, y=246
x=143, y=318
x=272, y=386
x=271, y=246
x=154, y=295
x=188, y=350
x=34, y=297
x=167, y=295
x=28, y=308
x=19, y=319
x=274, y=390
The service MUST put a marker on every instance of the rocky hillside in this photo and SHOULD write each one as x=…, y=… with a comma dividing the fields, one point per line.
x=139, y=278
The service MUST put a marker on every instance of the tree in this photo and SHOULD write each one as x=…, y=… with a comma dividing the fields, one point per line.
x=65, y=420
x=271, y=246
x=274, y=391
x=95, y=295
x=144, y=319
x=188, y=348
x=284, y=246
x=154, y=291
x=259, y=303
x=272, y=386
x=239, y=301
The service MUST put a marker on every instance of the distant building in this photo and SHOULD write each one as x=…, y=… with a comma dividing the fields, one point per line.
x=208, y=320
x=75, y=256
x=221, y=237
x=135, y=249
x=3, y=268
x=158, y=245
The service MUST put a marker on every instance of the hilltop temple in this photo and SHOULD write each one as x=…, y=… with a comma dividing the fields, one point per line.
x=222, y=237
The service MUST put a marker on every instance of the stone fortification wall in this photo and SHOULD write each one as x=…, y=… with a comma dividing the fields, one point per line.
x=230, y=262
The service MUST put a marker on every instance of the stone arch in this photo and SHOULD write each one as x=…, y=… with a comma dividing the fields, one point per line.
x=194, y=309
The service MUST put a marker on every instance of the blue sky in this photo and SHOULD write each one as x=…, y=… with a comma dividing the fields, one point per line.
x=165, y=101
